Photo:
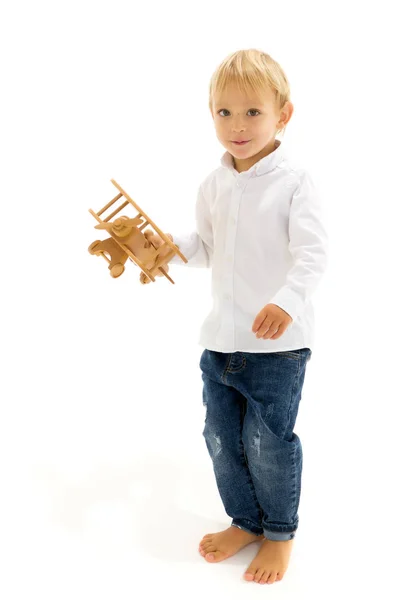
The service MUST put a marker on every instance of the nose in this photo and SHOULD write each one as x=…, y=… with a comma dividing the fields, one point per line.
x=237, y=124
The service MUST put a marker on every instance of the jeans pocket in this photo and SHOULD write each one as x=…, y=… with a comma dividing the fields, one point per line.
x=290, y=354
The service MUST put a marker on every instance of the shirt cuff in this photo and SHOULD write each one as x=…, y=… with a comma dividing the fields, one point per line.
x=185, y=245
x=288, y=301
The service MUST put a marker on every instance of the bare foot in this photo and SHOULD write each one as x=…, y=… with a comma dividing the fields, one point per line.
x=218, y=546
x=271, y=562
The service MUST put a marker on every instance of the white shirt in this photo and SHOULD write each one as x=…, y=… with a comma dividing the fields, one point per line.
x=262, y=234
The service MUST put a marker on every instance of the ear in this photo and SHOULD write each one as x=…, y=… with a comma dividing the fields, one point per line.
x=285, y=115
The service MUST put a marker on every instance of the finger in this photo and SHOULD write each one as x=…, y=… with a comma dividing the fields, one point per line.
x=155, y=242
x=258, y=321
x=273, y=328
x=272, y=334
x=264, y=328
x=151, y=237
x=257, y=325
x=277, y=335
x=281, y=331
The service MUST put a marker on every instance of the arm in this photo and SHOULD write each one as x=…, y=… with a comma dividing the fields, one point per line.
x=198, y=245
x=308, y=244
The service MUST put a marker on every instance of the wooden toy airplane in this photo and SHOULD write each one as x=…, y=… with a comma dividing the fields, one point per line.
x=128, y=241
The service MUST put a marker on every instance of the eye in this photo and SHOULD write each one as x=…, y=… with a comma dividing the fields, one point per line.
x=250, y=110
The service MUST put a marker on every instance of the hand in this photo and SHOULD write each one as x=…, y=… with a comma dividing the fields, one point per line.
x=155, y=240
x=271, y=322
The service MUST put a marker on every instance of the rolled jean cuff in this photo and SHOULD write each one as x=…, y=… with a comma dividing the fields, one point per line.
x=247, y=526
x=279, y=536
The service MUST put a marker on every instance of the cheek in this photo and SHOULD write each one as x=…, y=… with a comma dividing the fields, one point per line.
x=220, y=131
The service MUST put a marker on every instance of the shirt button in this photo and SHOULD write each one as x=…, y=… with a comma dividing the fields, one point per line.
x=227, y=297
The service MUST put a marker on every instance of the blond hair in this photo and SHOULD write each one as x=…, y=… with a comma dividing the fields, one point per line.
x=252, y=71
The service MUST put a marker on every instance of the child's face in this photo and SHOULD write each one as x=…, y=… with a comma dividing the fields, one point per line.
x=239, y=117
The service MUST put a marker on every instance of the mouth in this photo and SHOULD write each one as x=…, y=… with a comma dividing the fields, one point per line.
x=240, y=143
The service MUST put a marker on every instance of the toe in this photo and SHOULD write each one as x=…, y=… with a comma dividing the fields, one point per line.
x=264, y=577
x=215, y=556
x=210, y=556
x=258, y=575
x=249, y=575
x=272, y=578
x=208, y=547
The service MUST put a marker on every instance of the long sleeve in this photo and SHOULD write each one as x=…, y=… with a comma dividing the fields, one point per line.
x=308, y=245
x=197, y=246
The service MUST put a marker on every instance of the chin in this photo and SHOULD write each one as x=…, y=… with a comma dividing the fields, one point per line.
x=241, y=151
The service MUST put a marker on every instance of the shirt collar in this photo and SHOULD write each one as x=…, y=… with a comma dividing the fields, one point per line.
x=264, y=165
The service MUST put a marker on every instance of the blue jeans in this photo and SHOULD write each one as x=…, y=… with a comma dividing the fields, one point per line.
x=251, y=401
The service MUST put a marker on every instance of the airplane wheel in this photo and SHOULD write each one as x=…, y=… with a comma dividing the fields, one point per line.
x=143, y=278
x=92, y=247
x=117, y=270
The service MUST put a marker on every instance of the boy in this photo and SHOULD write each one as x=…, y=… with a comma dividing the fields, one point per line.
x=259, y=227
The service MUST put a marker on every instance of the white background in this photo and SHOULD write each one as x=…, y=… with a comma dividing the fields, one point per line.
x=106, y=483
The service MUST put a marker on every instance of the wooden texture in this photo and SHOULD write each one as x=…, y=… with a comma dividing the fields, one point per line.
x=127, y=240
